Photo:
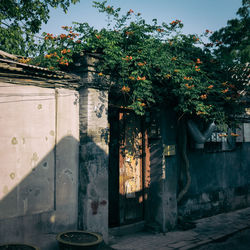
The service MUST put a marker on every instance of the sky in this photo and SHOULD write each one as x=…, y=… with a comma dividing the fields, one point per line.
x=197, y=15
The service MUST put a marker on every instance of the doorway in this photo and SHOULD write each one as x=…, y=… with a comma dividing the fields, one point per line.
x=127, y=149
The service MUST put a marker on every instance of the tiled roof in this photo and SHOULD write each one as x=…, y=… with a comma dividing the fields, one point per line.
x=13, y=70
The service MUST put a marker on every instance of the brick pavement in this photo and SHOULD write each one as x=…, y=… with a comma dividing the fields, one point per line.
x=207, y=230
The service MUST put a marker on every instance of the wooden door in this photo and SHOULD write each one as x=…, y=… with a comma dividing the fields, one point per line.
x=130, y=168
x=127, y=177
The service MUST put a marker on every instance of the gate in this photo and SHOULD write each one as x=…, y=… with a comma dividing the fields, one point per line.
x=126, y=168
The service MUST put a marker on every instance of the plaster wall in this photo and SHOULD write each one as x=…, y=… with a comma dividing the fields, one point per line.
x=220, y=182
x=39, y=138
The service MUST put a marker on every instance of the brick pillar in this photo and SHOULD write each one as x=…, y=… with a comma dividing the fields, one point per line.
x=93, y=179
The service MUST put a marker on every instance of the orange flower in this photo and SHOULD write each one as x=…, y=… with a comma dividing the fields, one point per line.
x=142, y=104
x=49, y=36
x=48, y=56
x=176, y=70
x=141, y=78
x=167, y=76
x=224, y=90
x=100, y=74
x=198, y=61
x=23, y=60
x=141, y=64
x=130, y=11
x=203, y=97
x=200, y=113
x=125, y=89
x=98, y=36
x=189, y=86
x=175, y=22
x=63, y=36
x=64, y=51
x=233, y=134
x=174, y=58
x=127, y=58
x=224, y=83
x=197, y=68
x=210, y=86
x=196, y=38
x=68, y=50
x=131, y=78
x=160, y=30
x=128, y=33
x=187, y=78
x=222, y=135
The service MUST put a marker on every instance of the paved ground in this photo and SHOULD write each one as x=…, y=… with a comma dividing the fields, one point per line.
x=207, y=230
x=229, y=230
x=238, y=241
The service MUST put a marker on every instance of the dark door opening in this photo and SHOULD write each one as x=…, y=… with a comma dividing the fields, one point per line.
x=126, y=167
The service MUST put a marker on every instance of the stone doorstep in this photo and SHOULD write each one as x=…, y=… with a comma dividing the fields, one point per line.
x=127, y=229
x=138, y=243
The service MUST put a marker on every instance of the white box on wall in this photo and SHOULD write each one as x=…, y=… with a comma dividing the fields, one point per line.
x=246, y=127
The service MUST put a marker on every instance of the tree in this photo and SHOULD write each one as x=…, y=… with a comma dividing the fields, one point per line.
x=151, y=64
x=232, y=41
x=21, y=19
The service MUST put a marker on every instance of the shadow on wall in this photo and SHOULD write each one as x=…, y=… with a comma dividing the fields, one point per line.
x=222, y=184
x=44, y=200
